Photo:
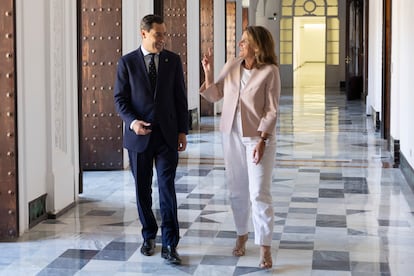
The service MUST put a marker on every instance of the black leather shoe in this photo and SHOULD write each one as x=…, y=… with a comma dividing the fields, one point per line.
x=148, y=247
x=170, y=255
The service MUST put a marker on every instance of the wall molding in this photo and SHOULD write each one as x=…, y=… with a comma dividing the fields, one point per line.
x=407, y=171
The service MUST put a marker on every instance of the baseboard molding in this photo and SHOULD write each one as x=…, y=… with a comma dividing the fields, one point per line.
x=395, y=151
x=61, y=212
x=407, y=171
x=376, y=120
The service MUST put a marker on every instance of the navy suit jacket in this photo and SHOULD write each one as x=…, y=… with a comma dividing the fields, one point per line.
x=168, y=108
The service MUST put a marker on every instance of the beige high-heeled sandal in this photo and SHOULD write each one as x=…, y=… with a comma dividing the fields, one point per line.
x=240, y=247
x=265, y=257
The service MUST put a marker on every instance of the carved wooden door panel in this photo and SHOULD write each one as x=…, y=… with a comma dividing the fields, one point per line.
x=8, y=136
x=174, y=13
x=100, y=42
x=354, y=49
x=175, y=18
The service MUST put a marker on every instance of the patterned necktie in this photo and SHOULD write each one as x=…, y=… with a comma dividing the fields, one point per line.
x=152, y=72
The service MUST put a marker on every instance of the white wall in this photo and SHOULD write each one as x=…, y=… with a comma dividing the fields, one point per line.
x=373, y=100
x=402, y=96
x=193, y=54
x=46, y=73
x=132, y=12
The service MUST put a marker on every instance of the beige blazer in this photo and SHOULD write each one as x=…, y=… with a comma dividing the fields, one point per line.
x=259, y=99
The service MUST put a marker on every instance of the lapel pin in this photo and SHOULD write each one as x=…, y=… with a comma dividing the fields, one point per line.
x=166, y=60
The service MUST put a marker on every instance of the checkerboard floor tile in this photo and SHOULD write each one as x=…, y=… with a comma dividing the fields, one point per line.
x=339, y=208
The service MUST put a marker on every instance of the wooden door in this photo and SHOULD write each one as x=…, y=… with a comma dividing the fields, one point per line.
x=174, y=13
x=8, y=122
x=386, y=71
x=100, y=47
x=354, y=49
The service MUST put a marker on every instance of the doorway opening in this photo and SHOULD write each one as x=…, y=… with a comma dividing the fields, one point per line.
x=309, y=59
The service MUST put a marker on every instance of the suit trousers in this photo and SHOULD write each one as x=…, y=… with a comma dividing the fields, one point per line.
x=165, y=160
x=249, y=184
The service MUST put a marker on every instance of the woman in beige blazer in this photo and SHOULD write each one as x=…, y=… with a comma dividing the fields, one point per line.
x=250, y=88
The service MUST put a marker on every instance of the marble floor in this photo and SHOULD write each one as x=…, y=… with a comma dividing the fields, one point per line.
x=340, y=206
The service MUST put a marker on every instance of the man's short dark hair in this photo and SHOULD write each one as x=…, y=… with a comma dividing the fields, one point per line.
x=148, y=20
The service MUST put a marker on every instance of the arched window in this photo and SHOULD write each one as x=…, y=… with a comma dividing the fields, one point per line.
x=294, y=8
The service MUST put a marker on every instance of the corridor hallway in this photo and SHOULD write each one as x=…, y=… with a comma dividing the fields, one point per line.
x=340, y=206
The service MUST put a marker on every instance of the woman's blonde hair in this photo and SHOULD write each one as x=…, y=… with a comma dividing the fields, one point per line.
x=261, y=40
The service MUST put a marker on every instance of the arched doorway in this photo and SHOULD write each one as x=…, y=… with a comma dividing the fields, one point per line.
x=326, y=11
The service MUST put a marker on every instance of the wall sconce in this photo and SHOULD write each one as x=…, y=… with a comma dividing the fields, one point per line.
x=274, y=17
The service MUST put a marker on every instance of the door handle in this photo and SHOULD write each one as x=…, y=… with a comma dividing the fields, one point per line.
x=348, y=59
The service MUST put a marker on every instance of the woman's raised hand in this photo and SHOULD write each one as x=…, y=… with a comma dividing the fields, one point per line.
x=207, y=63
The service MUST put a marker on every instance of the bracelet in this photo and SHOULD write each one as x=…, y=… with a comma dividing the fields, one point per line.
x=263, y=140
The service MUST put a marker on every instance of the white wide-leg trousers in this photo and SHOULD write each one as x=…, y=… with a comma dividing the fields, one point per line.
x=249, y=184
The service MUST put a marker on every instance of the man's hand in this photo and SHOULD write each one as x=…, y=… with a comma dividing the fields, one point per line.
x=141, y=128
x=182, y=141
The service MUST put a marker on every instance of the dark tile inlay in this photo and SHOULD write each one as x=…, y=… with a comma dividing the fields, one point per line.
x=227, y=234
x=245, y=270
x=192, y=206
x=48, y=271
x=379, y=268
x=206, y=220
x=353, y=212
x=331, y=193
x=297, y=245
x=353, y=232
x=393, y=223
x=331, y=260
x=79, y=253
x=219, y=260
x=330, y=176
x=199, y=172
x=184, y=188
x=117, y=251
x=355, y=185
x=114, y=255
x=200, y=196
x=124, y=246
x=303, y=210
x=281, y=215
x=299, y=229
x=275, y=236
x=331, y=221
x=185, y=224
x=103, y=213
x=304, y=199
x=121, y=224
x=310, y=170
x=201, y=233
x=210, y=212
x=68, y=263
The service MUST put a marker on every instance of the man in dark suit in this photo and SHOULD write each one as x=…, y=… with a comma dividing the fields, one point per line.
x=151, y=99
